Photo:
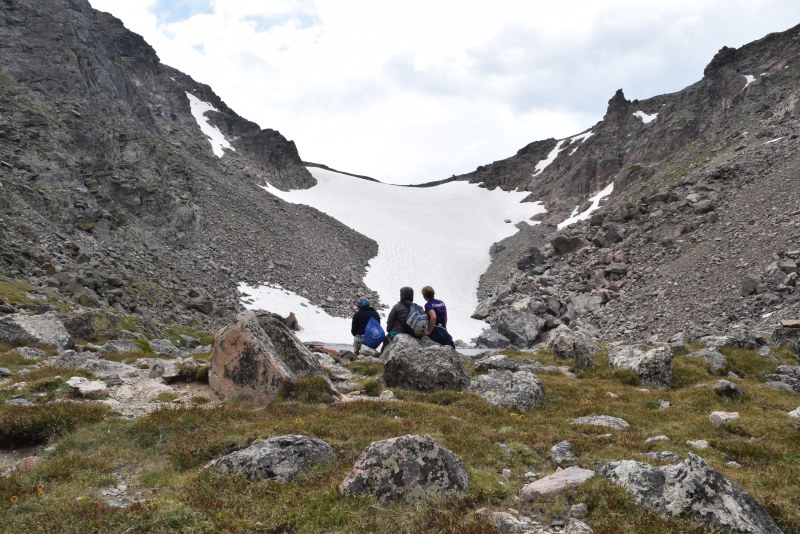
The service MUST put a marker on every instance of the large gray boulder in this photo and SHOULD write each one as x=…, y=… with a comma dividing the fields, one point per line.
x=567, y=343
x=785, y=377
x=46, y=329
x=404, y=469
x=519, y=391
x=566, y=241
x=654, y=366
x=492, y=339
x=278, y=459
x=423, y=365
x=249, y=364
x=717, y=364
x=691, y=490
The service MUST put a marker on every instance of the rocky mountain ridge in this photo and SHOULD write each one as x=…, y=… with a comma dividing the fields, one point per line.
x=701, y=226
x=110, y=190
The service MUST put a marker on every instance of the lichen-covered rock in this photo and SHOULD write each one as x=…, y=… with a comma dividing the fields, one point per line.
x=567, y=343
x=45, y=329
x=164, y=347
x=88, y=361
x=520, y=391
x=278, y=459
x=723, y=418
x=423, y=365
x=246, y=364
x=654, y=366
x=691, y=490
x=726, y=388
x=785, y=377
x=405, y=469
x=93, y=325
x=88, y=388
x=561, y=453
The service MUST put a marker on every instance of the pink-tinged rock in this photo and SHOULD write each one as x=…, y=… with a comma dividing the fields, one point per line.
x=29, y=463
x=556, y=483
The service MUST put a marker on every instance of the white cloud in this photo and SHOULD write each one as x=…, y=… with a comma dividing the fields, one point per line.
x=419, y=90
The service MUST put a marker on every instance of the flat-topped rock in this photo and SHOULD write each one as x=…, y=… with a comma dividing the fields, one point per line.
x=601, y=420
x=555, y=483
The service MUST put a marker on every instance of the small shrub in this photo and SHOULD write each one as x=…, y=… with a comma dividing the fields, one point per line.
x=33, y=425
x=487, y=486
x=309, y=390
x=144, y=345
x=688, y=372
x=366, y=368
x=199, y=399
x=372, y=388
x=166, y=397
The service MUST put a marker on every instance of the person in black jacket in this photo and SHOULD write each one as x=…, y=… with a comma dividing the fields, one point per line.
x=396, y=321
x=360, y=319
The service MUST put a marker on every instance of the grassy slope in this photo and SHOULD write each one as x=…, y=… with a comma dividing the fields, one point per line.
x=161, y=456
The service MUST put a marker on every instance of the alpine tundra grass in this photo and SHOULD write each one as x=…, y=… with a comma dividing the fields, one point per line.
x=160, y=457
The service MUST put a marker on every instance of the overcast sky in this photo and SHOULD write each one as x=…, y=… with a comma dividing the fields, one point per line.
x=417, y=90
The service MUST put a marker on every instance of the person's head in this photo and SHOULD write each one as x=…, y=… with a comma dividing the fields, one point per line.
x=363, y=302
x=427, y=293
x=406, y=293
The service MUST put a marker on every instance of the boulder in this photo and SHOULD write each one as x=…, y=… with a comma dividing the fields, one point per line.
x=795, y=413
x=276, y=459
x=523, y=322
x=530, y=258
x=88, y=361
x=405, y=469
x=723, y=418
x=519, y=391
x=88, y=388
x=164, y=347
x=654, y=366
x=717, y=364
x=561, y=454
x=423, y=365
x=120, y=346
x=250, y=362
x=691, y=490
x=92, y=325
x=45, y=329
x=730, y=342
x=30, y=353
x=565, y=241
x=724, y=388
x=602, y=420
x=555, y=483
x=785, y=377
x=567, y=343
x=492, y=339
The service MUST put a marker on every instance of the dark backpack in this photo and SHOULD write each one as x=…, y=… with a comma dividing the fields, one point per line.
x=417, y=320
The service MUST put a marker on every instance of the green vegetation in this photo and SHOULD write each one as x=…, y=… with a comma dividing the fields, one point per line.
x=162, y=455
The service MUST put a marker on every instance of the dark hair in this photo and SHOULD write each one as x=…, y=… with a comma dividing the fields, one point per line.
x=427, y=292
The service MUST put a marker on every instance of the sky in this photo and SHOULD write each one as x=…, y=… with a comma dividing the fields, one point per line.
x=415, y=91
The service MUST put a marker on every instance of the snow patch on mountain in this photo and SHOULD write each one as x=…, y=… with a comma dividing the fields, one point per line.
x=551, y=157
x=215, y=137
x=438, y=236
x=750, y=79
x=595, y=200
x=581, y=137
x=645, y=117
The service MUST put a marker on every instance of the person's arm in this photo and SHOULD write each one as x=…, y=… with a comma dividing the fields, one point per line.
x=353, y=326
x=391, y=319
x=431, y=321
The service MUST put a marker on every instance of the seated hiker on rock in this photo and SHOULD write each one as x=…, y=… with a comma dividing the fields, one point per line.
x=360, y=319
x=396, y=321
x=437, y=318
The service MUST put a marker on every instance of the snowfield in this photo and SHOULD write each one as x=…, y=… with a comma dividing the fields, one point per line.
x=215, y=137
x=438, y=236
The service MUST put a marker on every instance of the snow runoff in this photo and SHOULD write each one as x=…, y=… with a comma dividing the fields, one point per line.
x=215, y=137
x=645, y=117
x=438, y=236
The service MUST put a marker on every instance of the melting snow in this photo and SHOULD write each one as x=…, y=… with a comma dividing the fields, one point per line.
x=438, y=236
x=315, y=322
x=645, y=117
x=582, y=137
x=551, y=157
x=750, y=79
x=215, y=137
x=575, y=216
x=773, y=140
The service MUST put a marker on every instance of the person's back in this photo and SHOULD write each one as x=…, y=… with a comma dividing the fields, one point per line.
x=360, y=319
x=396, y=321
x=437, y=318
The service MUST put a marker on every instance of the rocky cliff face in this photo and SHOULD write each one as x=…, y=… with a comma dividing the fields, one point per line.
x=109, y=185
x=704, y=218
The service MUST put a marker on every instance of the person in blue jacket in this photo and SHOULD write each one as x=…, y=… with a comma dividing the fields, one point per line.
x=360, y=319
